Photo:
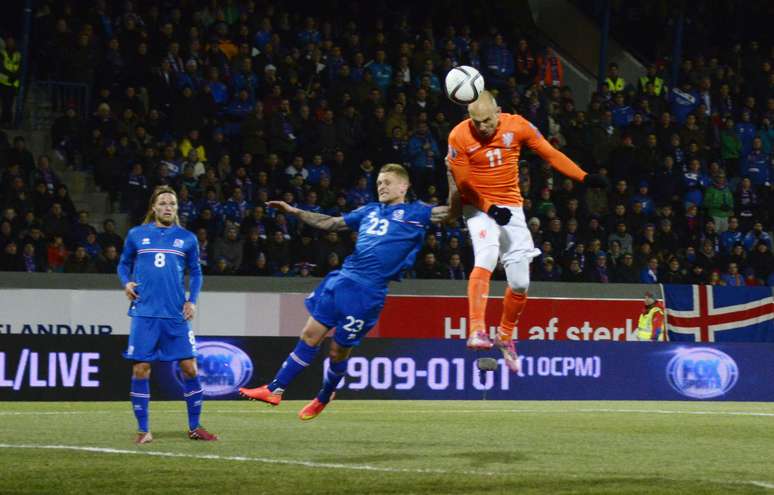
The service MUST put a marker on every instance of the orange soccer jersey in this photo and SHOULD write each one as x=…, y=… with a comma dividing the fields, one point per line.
x=487, y=171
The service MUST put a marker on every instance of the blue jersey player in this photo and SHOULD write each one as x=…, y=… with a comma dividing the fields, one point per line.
x=390, y=233
x=154, y=260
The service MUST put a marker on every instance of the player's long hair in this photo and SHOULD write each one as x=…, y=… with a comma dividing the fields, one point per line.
x=150, y=217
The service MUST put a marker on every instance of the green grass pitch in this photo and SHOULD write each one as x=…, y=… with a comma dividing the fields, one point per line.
x=398, y=447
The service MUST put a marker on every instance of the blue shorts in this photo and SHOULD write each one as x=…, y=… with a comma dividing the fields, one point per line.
x=160, y=339
x=353, y=309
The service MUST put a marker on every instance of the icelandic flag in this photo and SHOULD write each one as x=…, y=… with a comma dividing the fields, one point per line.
x=706, y=313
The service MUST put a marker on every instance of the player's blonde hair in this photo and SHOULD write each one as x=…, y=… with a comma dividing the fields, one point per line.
x=150, y=217
x=396, y=169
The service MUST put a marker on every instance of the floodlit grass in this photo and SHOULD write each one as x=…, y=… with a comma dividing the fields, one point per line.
x=399, y=447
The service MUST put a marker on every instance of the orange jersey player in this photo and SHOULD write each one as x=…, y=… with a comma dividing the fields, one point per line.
x=483, y=159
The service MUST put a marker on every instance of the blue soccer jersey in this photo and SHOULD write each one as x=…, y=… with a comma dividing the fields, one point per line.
x=388, y=240
x=156, y=258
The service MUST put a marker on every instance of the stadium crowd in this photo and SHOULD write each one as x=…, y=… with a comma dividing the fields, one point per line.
x=234, y=103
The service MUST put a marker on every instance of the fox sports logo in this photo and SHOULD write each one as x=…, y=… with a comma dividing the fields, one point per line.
x=702, y=373
x=223, y=368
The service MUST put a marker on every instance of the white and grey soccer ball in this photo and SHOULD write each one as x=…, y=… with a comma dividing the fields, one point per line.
x=464, y=84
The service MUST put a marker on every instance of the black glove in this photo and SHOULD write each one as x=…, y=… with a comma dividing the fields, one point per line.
x=501, y=215
x=595, y=180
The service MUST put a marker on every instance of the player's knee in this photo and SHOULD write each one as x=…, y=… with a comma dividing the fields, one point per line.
x=518, y=276
x=338, y=353
x=188, y=367
x=313, y=332
x=141, y=370
x=487, y=257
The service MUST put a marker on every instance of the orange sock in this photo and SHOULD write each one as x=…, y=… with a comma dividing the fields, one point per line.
x=513, y=305
x=478, y=292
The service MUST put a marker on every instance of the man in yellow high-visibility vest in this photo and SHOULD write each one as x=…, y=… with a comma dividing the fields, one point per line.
x=615, y=82
x=650, y=327
x=10, y=69
x=651, y=78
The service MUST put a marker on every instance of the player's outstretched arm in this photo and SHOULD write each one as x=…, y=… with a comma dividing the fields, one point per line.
x=318, y=220
x=562, y=163
x=453, y=209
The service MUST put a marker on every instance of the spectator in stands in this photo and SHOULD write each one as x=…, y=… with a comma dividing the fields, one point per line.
x=79, y=262
x=359, y=194
x=549, y=69
x=730, y=147
x=526, y=67
x=548, y=271
x=456, y=270
x=11, y=260
x=332, y=263
x=651, y=78
x=229, y=249
x=91, y=246
x=731, y=236
x=642, y=197
x=57, y=254
x=683, y=100
x=694, y=183
x=757, y=165
x=430, y=268
x=499, y=62
x=22, y=156
x=107, y=260
x=55, y=224
x=33, y=262
x=755, y=236
x=10, y=78
x=732, y=277
x=614, y=81
x=761, y=261
x=598, y=271
x=649, y=273
x=745, y=132
x=708, y=257
x=666, y=239
x=622, y=113
x=573, y=273
x=673, y=273
x=747, y=203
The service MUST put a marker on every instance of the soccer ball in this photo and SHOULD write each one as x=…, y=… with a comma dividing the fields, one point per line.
x=464, y=84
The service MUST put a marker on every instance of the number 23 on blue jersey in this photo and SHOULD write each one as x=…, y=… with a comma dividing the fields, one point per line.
x=376, y=225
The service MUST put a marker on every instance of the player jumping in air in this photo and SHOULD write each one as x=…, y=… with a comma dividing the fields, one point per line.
x=390, y=233
x=151, y=270
x=484, y=160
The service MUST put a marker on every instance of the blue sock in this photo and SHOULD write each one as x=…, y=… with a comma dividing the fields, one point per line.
x=301, y=357
x=193, y=399
x=140, y=396
x=333, y=376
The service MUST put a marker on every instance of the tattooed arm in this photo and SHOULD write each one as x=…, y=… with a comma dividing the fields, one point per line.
x=318, y=220
x=452, y=211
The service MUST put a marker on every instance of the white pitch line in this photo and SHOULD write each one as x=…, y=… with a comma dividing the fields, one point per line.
x=427, y=411
x=530, y=411
x=37, y=413
x=262, y=460
x=666, y=411
x=309, y=464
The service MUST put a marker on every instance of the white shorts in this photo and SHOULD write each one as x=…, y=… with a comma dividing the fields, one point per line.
x=513, y=241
